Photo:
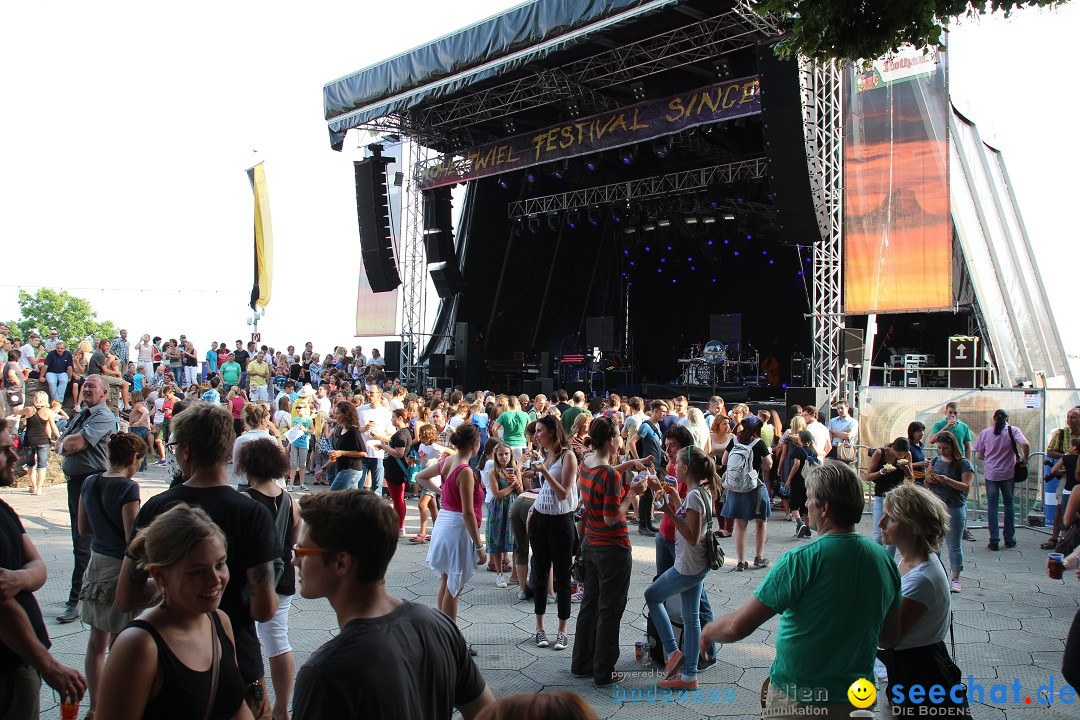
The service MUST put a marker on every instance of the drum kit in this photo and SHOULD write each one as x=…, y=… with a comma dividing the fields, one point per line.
x=716, y=363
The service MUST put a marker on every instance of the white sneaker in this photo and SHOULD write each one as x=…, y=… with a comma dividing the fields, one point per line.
x=500, y=581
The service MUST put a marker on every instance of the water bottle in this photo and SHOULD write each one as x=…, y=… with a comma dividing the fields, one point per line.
x=646, y=647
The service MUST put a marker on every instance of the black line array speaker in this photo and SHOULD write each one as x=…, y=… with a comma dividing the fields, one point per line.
x=373, y=216
x=447, y=278
x=600, y=333
x=545, y=363
x=392, y=355
x=785, y=148
x=438, y=225
x=800, y=370
x=726, y=328
x=853, y=346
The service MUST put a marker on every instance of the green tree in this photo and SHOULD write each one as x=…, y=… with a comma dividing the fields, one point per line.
x=72, y=317
x=865, y=30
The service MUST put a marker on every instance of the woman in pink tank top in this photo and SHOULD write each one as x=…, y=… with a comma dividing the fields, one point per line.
x=456, y=544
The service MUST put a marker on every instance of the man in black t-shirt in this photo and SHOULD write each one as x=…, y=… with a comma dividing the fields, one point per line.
x=242, y=356
x=24, y=642
x=203, y=437
x=424, y=666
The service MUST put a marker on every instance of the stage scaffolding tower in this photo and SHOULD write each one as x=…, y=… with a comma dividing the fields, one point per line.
x=413, y=270
x=822, y=101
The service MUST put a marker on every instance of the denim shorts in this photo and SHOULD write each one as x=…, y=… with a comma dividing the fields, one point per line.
x=38, y=452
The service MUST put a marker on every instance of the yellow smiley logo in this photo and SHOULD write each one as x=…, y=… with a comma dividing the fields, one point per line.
x=862, y=693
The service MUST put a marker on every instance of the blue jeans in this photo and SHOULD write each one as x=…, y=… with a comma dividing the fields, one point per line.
x=144, y=435
x=957, y=521
x=689, y=589
x=1004, y=488
x=347, y=480
x=375, y=467
x=665, y=560
x=879, y=510
x=58, y=383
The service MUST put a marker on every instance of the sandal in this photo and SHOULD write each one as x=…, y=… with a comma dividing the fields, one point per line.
x=418, y=539
x=760, y=562
x=491, y=566
x=742, y=566
x=506, y=566
x=1049, y=544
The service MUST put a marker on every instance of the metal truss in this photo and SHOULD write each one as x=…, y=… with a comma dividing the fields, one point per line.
x=672, y=184
x=698, y=42
x=768, y=24
x=413, y=270
x=822, y=101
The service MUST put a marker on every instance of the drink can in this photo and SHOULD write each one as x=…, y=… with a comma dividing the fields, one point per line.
x=639, y=652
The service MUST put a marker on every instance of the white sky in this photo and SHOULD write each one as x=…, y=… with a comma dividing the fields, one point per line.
x=127, y=129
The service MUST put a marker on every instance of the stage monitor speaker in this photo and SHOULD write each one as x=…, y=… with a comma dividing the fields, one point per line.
x=547, y=387
x=438, y=225
x=853, y=346
x=447, y=278
x=437, y=365
x=805, y=396
x=530, y=387
x=392, y=355
x=726, y=328
x=785, y=148
x=373, y=217
x=600, y=333
x=462, y=342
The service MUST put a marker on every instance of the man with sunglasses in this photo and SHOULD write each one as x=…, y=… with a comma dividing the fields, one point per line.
x=425, y=670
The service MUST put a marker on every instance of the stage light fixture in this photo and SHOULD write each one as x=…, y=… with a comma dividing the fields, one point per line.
x=708, y=220
x=690, y=220
x=510, y=125
x=590, y=165
x=648, y=227
x=561, y=169
x=531, y=177
x=553, y=223
x=629, y=230
x=534, y=225
x=572, y=219
x=573, y=108
x=594, y=216
x=663, y=223
x=662, y=146
x=729, y=216
x=502, y=183
x=723, y=69
x=637, y=90
x=626, y=154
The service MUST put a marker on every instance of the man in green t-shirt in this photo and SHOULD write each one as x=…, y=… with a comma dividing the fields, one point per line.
x=512, y=423
x=838, y=599
x=230, y=372
x=953, y=424
x=573, y=411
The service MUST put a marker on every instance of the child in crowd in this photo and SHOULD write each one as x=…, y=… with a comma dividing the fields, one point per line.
x=298, y=448
x=504, y=483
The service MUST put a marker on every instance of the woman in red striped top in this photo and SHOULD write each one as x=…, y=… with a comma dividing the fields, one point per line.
x=606, y=559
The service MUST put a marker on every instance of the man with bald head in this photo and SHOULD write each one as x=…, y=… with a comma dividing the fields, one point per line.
x=85, y=447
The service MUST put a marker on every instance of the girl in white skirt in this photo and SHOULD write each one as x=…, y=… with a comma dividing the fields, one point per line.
x=456, y=545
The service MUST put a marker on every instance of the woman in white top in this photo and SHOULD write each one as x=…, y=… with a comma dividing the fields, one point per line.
x=915, y=520
x=686, y=578
x=695, y=423
x=551, y=524
x=255, y=421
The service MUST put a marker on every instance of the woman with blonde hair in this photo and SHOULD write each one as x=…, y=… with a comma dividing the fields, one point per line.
x=236, y=400
x=579, y=435
x=80, y=362
x=178, y=659
x=914, y=521
x=41, y=433
x=695, y=423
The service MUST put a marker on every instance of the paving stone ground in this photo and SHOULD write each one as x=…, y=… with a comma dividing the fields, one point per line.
x=1010, y=623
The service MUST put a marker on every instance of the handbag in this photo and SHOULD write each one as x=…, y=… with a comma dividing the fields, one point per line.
x=714, y=554
x=1020, y=472
x=846, y=453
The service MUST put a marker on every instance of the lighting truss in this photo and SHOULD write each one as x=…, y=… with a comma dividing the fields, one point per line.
x=703, y=40
x=687, y=181
x=413, y=271
x=822, y=103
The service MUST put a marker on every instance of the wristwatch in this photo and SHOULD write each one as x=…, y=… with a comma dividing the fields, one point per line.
x=478, y=548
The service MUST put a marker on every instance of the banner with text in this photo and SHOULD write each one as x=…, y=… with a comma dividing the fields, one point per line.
x=898, y=235
x=726, y=100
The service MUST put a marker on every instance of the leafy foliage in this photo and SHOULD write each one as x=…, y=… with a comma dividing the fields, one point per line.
x=72, y=317
x=849, y=30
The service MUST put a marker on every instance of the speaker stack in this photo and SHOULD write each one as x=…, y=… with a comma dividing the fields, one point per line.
x=373, y=217
x=785, y=148
x=439, y=242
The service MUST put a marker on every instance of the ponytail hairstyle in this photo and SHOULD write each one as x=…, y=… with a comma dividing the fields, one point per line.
x=559, y=441
x=1001, y=419
x=899, y=445
x=171, y=536
x=465, y=437
x=701, y=467
x=124, y=448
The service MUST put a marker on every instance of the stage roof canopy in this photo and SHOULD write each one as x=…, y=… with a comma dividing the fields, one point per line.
x=540, y=53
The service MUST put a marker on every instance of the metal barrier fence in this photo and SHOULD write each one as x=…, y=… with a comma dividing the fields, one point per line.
x=886, y=412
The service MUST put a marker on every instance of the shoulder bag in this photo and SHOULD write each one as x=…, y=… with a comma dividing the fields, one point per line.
x=714, y=554
x=1020, y=472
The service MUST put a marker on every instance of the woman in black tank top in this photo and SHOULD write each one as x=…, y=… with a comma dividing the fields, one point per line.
x=178, y=659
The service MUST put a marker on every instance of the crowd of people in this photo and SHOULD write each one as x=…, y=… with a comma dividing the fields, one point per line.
x=186, y=593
